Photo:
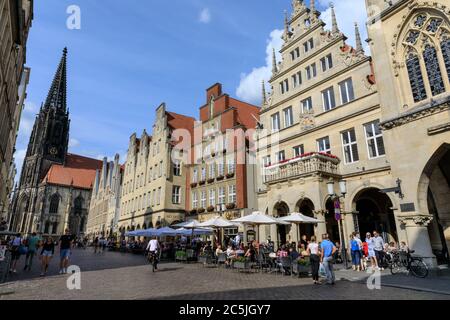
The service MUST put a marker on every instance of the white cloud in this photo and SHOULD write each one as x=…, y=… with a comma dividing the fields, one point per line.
x=249, y=88
x=347, y=13
x=73, y=143
x=205, y=16
x=19, y=156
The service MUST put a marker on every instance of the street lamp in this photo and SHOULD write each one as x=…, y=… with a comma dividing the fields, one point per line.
x=338, y=211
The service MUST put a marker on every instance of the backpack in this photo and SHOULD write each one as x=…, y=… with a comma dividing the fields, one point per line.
x=355, y=246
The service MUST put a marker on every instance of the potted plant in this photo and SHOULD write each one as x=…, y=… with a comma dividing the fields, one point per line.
x=201, y=210
x=241, y=263
x=210, y=209
x=230, y=206
x=303, y=267
x=193, y=211
x=220, y=178
x=230, y=175
x=193, y=184
x=201, y=183
x=211, y=180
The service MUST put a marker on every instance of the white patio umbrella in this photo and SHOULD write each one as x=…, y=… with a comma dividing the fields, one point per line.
x=298, y=219
x=191, y=224
x=257, y=219
x=218, y=223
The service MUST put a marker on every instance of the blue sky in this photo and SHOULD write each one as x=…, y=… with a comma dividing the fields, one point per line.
x=130, y=56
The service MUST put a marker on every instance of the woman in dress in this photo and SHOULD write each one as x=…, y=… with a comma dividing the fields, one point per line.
x=371, y=252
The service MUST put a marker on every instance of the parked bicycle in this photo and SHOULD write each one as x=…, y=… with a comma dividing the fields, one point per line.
x=404, y=261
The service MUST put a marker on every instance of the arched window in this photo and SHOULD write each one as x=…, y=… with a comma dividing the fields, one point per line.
x=433, y=70
x=54, y=204
x=445, y=48
x=78, y=205
x=427, y=33
x=416, y=78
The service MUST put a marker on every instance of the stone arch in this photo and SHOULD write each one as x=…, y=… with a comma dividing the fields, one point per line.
x=434, y=200
x=306, y=207
x=281, y=209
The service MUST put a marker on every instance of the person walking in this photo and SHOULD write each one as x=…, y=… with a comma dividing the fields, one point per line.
x=355, y=250
x=16, y=245
x=47, y=253
x=328, y=249
x=379, y=249
x=33, y=245
x=371, y=252
x=313, y=250
x=65, y=247
x=96, y=243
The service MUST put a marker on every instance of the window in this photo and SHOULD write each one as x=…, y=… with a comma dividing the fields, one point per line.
x=311, y=71
x=433, y=70
x=232, y=194
x=220, y=169
x=323, y=145
x=288, y=117
x=299, y=150
x=267, y=161
x=375, y=142
x=231, y=166
x=150, y=174
x=281, y=156
x=306, y=105
x=176, y=194
x=203, y=200
x=276, y=122
x=212, y=197
x=295, y=54
x=297, y=79
x=195, y=176
x=194, y=200
x=150, y=199
x=328, y=99
x=350, y=146
x=212, y=171
x=154, y=198
x=54, y=204
x=177, y=168
x=326, y=62
x=445, y=48
x=159, y=196
x=160, y=169
x=309, y=45
x=155, y=173
x=203, y=174
x=221, y=195
x=346, y=89
x=284, y=86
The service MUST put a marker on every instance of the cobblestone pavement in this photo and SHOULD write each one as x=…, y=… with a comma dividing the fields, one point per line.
x=126, y=276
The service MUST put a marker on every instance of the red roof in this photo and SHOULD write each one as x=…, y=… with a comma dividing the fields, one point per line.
x=78, y=172
x=179, y=121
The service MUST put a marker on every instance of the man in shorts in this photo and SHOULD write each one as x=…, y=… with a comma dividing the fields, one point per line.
x=65, y=247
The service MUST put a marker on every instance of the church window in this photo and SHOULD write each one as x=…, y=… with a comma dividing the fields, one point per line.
x=416, y=78
x=420, y=20
x=412, y=37
x=54, y=204
x=434, y=25
x=433, y=70
x=445, y=48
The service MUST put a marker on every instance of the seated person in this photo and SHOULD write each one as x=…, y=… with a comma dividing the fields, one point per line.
x=251, y=253
x=219, y=250
x=241, y=251
x=293, y=253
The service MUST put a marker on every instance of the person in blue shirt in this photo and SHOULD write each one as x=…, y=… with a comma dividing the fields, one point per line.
x=327, y=253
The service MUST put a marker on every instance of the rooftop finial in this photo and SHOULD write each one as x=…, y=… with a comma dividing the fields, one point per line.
x=359, y=46
x=264, y=96
x=274, y=62
x=312, y=5
x=335, y=28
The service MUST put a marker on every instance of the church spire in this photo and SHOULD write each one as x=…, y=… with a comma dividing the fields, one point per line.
x=359, y=46
x=274, y=62
x=58, y=91
x=335, y=28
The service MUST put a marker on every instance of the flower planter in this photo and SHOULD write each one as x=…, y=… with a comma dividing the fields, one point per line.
x=302, y=269
x=220, y=178
x=201, y=210
x=239, y=265
x=180, y=256
x=230, y=175
x=194, y=184
x=230, y=206
x=201, y=183
x=210, y=209
x=194, y=211
x=211, y=180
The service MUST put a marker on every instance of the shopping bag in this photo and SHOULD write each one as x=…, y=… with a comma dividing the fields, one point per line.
x=322, y=272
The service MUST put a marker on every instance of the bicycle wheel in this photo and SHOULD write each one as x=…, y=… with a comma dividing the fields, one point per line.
x=418, y=268
x=396, y=267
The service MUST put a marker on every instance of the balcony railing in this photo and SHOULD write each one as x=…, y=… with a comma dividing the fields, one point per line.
x=302, y=166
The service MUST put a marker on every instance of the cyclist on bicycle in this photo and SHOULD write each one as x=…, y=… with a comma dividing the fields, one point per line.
x=153, y=248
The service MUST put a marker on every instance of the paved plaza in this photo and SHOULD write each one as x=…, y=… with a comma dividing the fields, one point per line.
x=127, y=276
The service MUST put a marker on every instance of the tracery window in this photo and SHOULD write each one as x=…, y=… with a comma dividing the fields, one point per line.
x=424, y=61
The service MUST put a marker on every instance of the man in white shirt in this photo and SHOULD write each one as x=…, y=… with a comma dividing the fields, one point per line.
x=153, y=248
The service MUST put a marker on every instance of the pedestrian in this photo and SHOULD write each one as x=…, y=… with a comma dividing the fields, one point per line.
x=16, y=246
x=328, y=249
x=65, y=247
x=379, y=249
x=47, y=253
x=355, y=252
x=371, y=252
x=313, y=250
x=33, y=245
x=96, y=244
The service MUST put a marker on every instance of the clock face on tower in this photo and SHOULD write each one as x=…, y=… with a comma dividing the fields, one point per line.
x=53, y=151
